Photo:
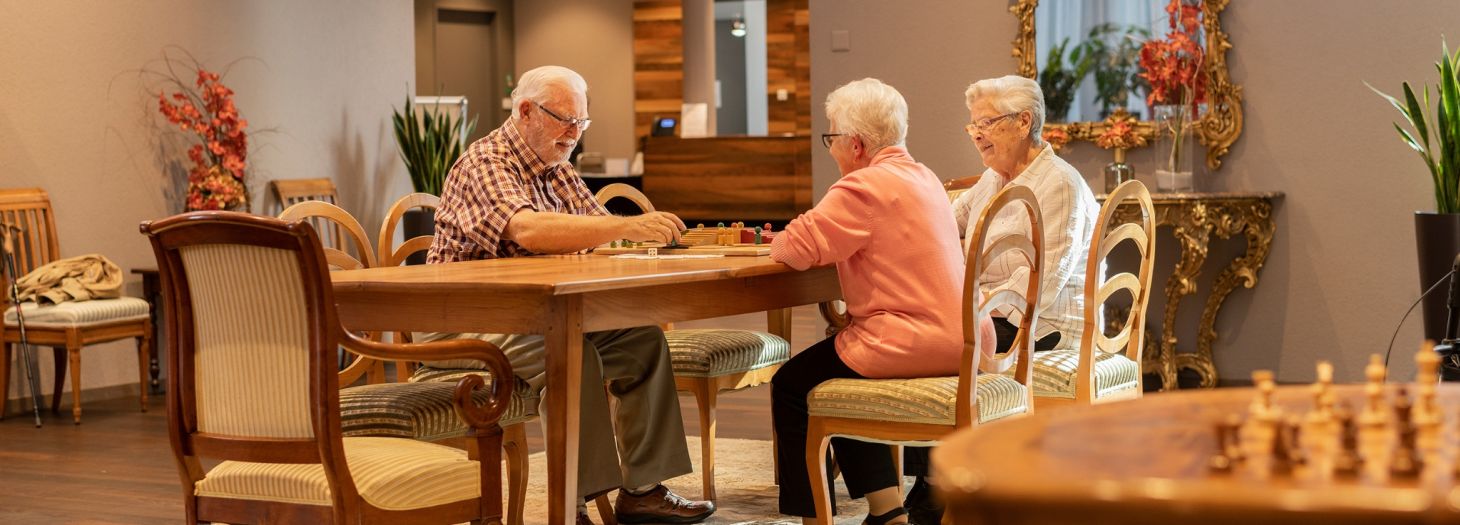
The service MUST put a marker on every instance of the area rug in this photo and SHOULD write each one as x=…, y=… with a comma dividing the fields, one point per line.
x=744, y=478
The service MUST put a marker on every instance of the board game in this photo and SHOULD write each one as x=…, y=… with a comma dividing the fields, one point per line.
x=735, y=240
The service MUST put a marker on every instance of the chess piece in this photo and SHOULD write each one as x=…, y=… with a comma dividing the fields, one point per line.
x=1259, y=433
x=1347, y=461
x=1222, y=460
x=1427, y=418
x=1375, y=435
x=1406, y=462
x=1318, y=440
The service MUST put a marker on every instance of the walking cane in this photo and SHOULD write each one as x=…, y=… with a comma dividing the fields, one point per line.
x=32, y=375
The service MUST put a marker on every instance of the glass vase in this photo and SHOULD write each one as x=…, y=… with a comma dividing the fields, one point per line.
x=1118, y=172
x=1174, y=147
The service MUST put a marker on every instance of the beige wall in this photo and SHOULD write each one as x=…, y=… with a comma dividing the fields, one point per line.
x=594, y=38
x=76, y=120
x=1342, y=266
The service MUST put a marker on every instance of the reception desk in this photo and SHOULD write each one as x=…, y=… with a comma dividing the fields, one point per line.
x=751, y=179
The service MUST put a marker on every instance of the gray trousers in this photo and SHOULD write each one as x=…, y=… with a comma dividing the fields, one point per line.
x=635, y=365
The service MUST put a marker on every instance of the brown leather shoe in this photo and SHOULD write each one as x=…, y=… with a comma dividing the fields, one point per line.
x=660, y=506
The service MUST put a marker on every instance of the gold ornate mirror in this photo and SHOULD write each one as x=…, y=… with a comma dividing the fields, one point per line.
x=1075, y=25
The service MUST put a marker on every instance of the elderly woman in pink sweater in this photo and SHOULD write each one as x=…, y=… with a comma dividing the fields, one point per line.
x=887, y=227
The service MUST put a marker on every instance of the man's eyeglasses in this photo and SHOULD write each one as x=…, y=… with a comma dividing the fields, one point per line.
x=983, y=126
x=581, y=123
x=826, y=138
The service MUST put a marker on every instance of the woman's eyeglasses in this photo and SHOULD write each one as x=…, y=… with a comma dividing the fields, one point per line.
x=983, y=126
x=826, y=138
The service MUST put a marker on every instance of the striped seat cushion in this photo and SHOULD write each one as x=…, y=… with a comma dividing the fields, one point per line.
x=79, y=313
x=421, y=410
x=923, y=400
x=390, y=473
x=524, y=398
x=711, y=352
x=1054, y=373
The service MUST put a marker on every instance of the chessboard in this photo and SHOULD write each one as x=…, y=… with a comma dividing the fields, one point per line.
x=735, y=240
x=1396, y=435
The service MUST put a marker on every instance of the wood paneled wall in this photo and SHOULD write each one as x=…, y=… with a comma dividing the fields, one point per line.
x=659, y=64
x=729, y=178
x=658, y=61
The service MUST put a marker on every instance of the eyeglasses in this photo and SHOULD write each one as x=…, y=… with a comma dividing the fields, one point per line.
x=983, y=126
x=581, y=123
x=826, y=138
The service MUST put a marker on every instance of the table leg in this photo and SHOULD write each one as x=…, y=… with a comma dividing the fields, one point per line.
x=778, y=323
x=1192, y=230
x=1255, y=220
x=564, y=341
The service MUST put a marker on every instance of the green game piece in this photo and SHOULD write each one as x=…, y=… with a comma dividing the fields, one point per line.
x=719, y=225
x=613, y=244
x=757, y=234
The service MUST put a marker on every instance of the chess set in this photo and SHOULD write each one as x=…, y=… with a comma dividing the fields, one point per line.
x=1391, y=438
x=734, y=240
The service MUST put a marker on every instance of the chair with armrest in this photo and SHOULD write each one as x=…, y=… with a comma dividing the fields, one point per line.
x=1106, y=368
x=69, y=326
x=252, y=381
x=710, y=361
x=922, y=411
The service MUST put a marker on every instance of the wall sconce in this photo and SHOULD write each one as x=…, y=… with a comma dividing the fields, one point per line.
x=737, y=27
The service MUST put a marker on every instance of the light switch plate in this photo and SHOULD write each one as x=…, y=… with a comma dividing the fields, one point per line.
x=841, y=40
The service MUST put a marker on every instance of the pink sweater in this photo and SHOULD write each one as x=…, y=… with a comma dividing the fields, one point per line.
x=890, y=231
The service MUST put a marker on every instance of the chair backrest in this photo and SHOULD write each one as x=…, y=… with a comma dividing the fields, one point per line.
x=1020, y=356
x=337, y=219
x=36, y=244
x=290, y=192
x=252, y=334
x=325, y=216
x=389, y=256
x=619, y=189
x=1126, y=216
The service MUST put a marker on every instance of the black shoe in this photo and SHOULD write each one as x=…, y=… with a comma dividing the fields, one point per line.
x=922, y=505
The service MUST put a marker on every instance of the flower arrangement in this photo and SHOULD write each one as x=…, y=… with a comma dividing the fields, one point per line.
x=216, y=180
x=1172, y=66
x=1119, y=134
x=1056, y=137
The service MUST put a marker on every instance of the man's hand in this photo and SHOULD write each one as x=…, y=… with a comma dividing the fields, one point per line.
x=654, y=226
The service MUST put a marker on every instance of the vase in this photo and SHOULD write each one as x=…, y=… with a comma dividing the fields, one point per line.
x=1173, y=147
x=1437, y=240
x=1118, y=172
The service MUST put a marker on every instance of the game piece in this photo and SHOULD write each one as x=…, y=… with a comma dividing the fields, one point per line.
x=1428, y=421
x=1348, y=460
x=1406, y=461
x=1375, y=435
x=757, y=234
x=1319, y=439
x=767, y=227
x=1259, y=433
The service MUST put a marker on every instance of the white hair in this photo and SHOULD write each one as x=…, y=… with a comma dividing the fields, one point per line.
x=869, y=109
x=1011, y=94
x=534, y=84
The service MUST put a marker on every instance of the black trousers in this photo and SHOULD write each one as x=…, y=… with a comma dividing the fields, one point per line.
x=866, y=467
x=915, y=460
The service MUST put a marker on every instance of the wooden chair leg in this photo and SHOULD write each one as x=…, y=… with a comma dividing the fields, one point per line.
x=605, y=509
x=514, y=442
x=59, y=358
x=4, y=379
x=144, y=351
x=705, y=395
x=816, y=444
x=75, y=355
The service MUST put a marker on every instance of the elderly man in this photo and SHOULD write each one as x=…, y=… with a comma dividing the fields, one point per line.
x=513, y=193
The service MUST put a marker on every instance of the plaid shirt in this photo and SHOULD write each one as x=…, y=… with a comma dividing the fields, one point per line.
x=497, y=177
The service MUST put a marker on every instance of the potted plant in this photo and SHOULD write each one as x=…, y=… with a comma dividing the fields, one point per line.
x=1059, y=82
x=1117, y=53
x=1437, y=233
x=430, y=141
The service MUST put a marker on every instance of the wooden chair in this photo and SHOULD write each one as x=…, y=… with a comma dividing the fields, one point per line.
x=1105, y=368
x=956, y=187
x=252, y=381
x=923, y=411
x=294, y=191
x=710, y=361
x=525, y=400
x=66, y=327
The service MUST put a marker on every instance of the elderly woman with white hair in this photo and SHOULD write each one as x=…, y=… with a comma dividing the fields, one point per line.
x=1006, y=118
x=887, y=227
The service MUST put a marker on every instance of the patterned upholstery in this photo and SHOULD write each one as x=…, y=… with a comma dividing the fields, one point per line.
x=928, y=400
x=421, y=410
x=393, y=474
x=79, y=313
x=711, y=353
x=252, y=341
x=525, y=399
x=1054, y=373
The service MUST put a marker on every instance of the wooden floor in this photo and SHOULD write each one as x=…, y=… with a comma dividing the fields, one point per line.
x=117, y=466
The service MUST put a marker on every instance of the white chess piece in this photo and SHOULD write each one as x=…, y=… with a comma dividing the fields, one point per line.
x=1376, y=436
x=1259, y=432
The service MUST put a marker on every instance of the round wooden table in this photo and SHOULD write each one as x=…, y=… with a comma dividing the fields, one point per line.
x=1145, y=461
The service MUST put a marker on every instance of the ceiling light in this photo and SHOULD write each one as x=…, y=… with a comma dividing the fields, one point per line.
x=737, y=27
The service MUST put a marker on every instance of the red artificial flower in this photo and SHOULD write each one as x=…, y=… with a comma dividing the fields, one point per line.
x=1173, y=66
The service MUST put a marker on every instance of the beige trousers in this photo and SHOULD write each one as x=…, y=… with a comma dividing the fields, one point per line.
x=635, y=365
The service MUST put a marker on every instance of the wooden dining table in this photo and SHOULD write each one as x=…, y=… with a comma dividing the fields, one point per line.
x=563, y=297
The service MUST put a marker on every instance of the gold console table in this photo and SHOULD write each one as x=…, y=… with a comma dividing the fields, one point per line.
x=1193, y=218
